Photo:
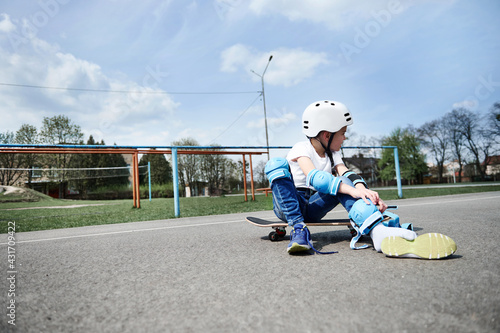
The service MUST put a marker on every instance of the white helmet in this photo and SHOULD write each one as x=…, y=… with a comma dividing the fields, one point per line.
x=328, y=116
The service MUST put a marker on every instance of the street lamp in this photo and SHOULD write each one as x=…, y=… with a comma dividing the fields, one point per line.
x=264, y=101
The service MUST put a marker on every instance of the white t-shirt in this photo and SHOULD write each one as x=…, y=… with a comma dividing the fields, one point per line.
x=305, y=148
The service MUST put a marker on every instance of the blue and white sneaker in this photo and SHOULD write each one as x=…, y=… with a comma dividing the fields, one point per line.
x=300, y=239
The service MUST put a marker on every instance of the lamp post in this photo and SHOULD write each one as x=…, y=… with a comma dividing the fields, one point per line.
x=264, y=101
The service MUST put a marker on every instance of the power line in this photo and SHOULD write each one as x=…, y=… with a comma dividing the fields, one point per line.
x=238, y=118
x=129, y=91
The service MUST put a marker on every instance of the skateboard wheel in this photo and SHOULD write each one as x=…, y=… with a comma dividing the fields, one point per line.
x=281, y=232
x=274, y=236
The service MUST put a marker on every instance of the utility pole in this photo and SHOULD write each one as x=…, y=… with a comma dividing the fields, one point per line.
x=264, y=101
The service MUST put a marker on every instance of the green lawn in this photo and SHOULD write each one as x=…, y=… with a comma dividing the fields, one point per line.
x=120, y=211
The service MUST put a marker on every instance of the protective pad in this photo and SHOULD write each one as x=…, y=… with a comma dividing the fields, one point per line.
x=277, y=168
x=355, y=178
x=364, y=217
x=394, y=220
x=323, y=181
x=361, y=211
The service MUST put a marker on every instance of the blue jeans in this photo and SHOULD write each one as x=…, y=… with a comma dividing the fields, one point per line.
x=294, y=205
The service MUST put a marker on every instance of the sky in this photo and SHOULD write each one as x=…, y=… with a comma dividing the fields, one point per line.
x=152, y=72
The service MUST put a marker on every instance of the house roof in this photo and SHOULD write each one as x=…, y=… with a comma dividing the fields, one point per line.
x=492, y=160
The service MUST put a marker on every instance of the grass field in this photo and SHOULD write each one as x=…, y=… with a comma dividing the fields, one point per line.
x=51, y=213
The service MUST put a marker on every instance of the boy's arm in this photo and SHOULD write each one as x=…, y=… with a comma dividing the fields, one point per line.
x=363, y=192
x=306, y=165
x=341, y=169
x=360, y=192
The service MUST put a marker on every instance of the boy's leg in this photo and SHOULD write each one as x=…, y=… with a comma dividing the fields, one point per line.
x=318, y=205
x=397, y=242
x=367, y=220
x=287, y=203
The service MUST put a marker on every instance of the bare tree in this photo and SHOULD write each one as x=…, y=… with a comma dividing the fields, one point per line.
x=434, y=136
x=475, y=138
x=214, y=170
x=453, y=125
x=260, y=174
x=188, y=165
x=493, y=120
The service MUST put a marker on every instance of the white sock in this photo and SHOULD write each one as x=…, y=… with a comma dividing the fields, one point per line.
x=381, y=231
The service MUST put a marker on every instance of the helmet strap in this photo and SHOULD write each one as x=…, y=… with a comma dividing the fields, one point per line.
x=328, y=152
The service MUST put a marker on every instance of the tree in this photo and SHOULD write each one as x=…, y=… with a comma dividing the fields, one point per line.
x=238, y=172
x=113, y=177
x=28, y=134
x=89, y=180
x=235, y=174
x=493, y=120
x=434, y=136
x=476, y=138
x=161, y=171
x=214, y=170
x=259, y=173
x=8, y=162
x=452, y=124
x=411, y=160
x=187, y=165
x=60, y=130
x=84, y=181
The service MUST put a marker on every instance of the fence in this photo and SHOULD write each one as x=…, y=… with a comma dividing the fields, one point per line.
x=174, y=151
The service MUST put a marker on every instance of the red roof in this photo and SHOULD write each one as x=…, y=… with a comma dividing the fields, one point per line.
x=492, y=160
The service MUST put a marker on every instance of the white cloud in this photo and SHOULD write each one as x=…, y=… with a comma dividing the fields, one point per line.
x=334, y=14
x=235, y=57
x=103, y=114
x=338, y=14
x=6, y=24
x=465, y=104
x=288, y=67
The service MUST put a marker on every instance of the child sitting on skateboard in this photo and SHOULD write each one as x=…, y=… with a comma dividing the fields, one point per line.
x=305, y=189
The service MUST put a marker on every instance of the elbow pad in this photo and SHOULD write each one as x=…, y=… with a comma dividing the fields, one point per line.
x=354, y=178
x=323, y=181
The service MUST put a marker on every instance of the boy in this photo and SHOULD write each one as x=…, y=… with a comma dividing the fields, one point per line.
x=304, y=189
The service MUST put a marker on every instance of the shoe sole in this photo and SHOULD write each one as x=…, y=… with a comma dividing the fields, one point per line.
x=296, y=247
x=426, y=246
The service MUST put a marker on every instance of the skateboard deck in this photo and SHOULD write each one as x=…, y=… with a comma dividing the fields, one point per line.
x=280, y=226
x=278, y=223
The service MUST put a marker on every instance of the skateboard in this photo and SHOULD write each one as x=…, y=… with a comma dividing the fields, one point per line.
x=279, y=226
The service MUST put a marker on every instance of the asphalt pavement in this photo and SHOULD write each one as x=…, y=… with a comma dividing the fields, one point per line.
x=222, y=274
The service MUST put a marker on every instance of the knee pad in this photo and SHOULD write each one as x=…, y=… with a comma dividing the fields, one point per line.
x=364, y=218
x=277, y=168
